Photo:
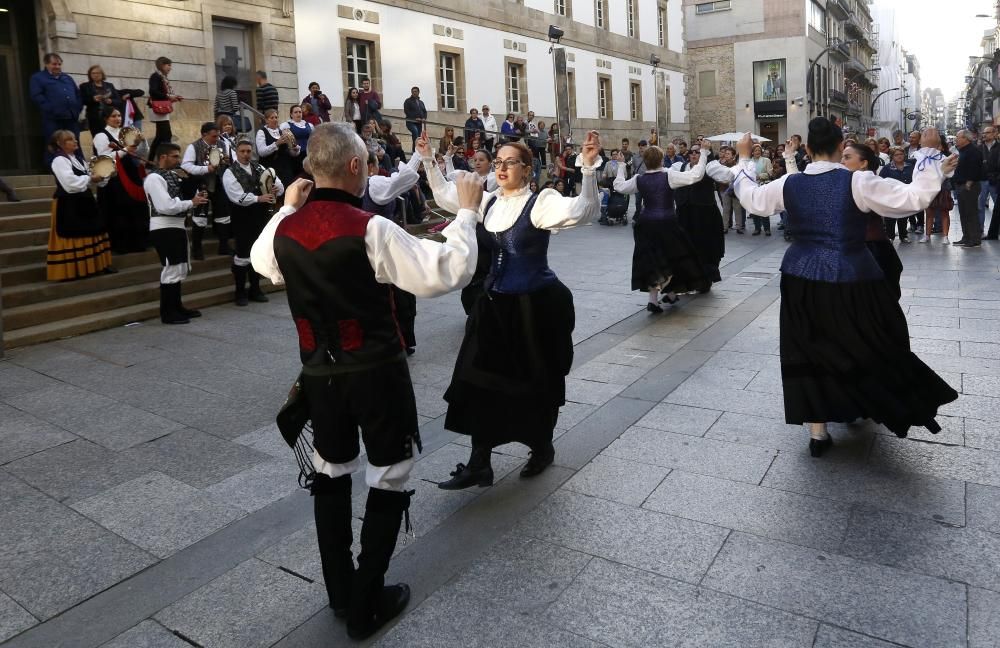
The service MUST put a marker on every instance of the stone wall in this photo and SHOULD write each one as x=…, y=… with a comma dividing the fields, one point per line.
x=712, y=115
x=126, y=36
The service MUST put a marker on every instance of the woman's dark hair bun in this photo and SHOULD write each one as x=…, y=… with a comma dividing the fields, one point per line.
x=824, y=136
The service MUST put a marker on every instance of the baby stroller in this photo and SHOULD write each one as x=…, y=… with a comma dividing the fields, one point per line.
x=614, y=208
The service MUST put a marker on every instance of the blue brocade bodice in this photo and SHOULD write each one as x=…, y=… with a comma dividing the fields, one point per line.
x=829, y=230
x=657, y=196
x=520, y=262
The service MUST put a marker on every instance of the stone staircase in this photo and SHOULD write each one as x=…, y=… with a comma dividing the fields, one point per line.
x=35, y=310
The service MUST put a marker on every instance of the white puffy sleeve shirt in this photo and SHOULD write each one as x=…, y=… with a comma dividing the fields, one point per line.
x=383, y=190
x=675, y=177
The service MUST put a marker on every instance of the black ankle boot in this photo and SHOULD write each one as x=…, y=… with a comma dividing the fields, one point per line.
x=256, y=294
x=240, y=277
x=372, y=603
x=197, y=234
x=479, y=471
x=541, y=458
x=332, y=509
x=168, y=305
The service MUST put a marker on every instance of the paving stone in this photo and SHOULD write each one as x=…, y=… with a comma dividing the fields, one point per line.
x=148, y=634
x=984, y=618
x=983, y=507
x=430, y=400
x=952, y=431
x=692, y=454
x=932, y=320
x=269, y=441
x=681, y=419
x=877, y=486
x=604, y=372
x=590, y=392
x=632, y=356
x=922, y=347
x=831, y=637
x=620, y=606
x=971, y=406
x=120, y=426
x=767, y=512
x=16, y=380
x=158, y=513
x=852, y=442
x=199, y=459
x=981, y=350
x=982, y=434
x=257, y=486
x=696, y=394
x=22, y=435
x=437, y=466
x=572, y=413
x=683, y=549
x=251, y=606
x=617, y=480
x=981, y=385
x=14, y=619
x=962, y=464
x=74, y=471
x=654, y=343
x=72, y=403
x=882, y=602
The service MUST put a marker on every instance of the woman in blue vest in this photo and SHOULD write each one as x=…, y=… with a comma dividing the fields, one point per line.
x=510, y=376
x=845, y=351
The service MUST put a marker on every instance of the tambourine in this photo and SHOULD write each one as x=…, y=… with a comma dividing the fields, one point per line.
x=267, y=181
x=129, y=136
x=215, y=156
x=103, y=166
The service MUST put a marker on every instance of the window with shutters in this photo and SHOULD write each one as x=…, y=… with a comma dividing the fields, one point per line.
x=358, y=62
x=635, y=101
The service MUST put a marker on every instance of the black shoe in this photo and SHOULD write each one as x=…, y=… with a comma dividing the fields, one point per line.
x=410, y=350
x=665, y=298
x=189, y=313
x=539, y=461
x=971, y=245
x=392, y=600
x=739, y=231
x=767, y=233
x=240, y=278
x=332, y=510
x=169, y=298
x=653, y=308
x=255, y=293
x=818, y=446
x=12, y=197
x=756, y=233
x=781, y=227
x=110, y=270
x=479, y=472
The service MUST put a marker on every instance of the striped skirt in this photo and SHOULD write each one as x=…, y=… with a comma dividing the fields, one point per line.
x=73, y=258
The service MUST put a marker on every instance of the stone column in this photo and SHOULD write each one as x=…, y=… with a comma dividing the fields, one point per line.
x=562, y=93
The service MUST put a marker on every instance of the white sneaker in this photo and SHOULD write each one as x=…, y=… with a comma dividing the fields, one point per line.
x=946, y=241
x=924, y=239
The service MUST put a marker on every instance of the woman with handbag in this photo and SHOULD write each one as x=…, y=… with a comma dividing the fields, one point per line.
x=161, y=103
x=78, y=237
x=942, y=205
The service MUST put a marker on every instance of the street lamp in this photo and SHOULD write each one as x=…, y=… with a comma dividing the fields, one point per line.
x=878, y=96
x=810, y=81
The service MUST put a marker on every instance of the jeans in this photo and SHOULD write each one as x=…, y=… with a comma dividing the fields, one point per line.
x=761, y=220
x=414, y=129
x=732, y=213
x=967, y=211
x=986, y=191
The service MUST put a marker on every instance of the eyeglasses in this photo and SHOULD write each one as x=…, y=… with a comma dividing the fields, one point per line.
x=506, y=164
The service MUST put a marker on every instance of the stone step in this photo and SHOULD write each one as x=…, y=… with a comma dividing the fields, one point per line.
x=28, y=193
x=108, y=300
x=24, y=238
x=19, y=181
x=24, y=222
x=56, y=330
x=130, y=272
x=23, y=255
x=30, y=206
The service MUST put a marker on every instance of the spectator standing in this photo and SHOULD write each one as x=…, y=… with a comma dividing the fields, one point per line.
x=416, y=114
x=473, y=124
x=352, y=109
x=320, y=103
x=967, y=179
x=161, y=102
x=991, y=177
x=371, y=102
x=96, y=93
x=490, y=126
x=913, y=146
x=58, y=99
x=446, y=140
x=227, y=102
x=802, y=158
x=267, y=94
x=900, y=169
x=507, y=130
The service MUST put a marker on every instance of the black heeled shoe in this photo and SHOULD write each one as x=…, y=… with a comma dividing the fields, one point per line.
x=539, y=461
x=666, y=299
x=818, y=446
x=653, y=308
x=464, y=476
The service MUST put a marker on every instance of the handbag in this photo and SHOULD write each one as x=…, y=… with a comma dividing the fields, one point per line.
x=161, y=106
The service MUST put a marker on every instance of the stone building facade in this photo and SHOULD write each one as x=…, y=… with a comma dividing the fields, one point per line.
x=206, y=39
x=714, y=113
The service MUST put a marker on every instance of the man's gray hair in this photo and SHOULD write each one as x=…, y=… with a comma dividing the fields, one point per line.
x=332, y=145
x=966, y=134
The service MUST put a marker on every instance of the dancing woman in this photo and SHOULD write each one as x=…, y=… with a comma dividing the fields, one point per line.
x=518, y=345
x=664, y=259
x=698, y=211
x=844, y=341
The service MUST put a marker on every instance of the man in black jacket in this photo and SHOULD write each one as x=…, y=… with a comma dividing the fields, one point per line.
x=990, y=149
x=416, y=114
x=967, y=179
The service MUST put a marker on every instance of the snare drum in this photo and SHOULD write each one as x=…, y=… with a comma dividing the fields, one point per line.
x=103, y=165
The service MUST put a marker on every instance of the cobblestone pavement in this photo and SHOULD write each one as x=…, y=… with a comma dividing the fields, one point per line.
x=146, y=499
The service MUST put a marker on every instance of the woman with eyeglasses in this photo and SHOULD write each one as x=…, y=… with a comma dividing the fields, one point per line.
x=510, y=376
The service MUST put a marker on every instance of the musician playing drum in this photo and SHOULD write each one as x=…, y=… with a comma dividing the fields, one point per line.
x=122, y=201
x=201, y=162
x=251, y=207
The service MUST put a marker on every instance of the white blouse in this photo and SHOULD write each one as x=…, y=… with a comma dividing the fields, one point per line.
x=384, y=189
x=552, y=211
x=103, y=145
x=675, y=177
x=62, y=169
x=264, y=149
x=885, y=196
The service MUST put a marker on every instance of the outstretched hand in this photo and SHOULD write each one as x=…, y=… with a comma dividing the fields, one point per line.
x=930, y=138
x=424, y=146
x=591, y=148
x=744, y=146
x=470, y=190
x=950, y=164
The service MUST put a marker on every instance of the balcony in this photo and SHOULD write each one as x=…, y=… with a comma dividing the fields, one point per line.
x=838, y=9
x=838, y=98
x=841, y=53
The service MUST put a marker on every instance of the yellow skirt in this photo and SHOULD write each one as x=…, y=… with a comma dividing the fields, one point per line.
x=73, y=258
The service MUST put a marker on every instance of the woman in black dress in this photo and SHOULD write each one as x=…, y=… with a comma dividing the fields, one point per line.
x=97, y=93
x=510, y=376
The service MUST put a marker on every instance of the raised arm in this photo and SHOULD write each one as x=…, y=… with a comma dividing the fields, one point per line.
x=383, y=190
x=762, y=199
x=554, y=212
x=445, y=193
x=894, y=199
x=678, y=178
x=719, y=172
x=621, y=185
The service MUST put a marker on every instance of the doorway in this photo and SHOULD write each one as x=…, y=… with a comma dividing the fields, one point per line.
x=769, y=130
x=20, y=129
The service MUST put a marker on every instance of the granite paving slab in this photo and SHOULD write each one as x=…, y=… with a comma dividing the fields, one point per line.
x=120, y=426
x=831, y=637
x=982, y=434
x=258, y=486
x=983, y=507
x=16, y=380
x=948, y=462
x=681, y=419
x=617, y=480
x=251, y=606
x=984, y=618
x=617, y=605
x=199, y=459
x=148, y=634
x=22, y=435
x=798, y=519
x=850, y=442
x=683, y=549
x=882, y=602
x=693, y=454
x=13, y=618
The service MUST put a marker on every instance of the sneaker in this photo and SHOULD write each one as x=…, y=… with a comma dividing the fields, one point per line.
x=945, y=241
x=924, y=239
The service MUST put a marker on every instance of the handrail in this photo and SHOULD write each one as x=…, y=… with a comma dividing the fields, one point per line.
x=246, y=106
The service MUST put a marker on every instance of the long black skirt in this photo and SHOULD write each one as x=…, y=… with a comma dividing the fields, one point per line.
x=664, y=253
x=845, y=355
x=510, y=375
x=702, y=226
x=127, y=219
x=887, y=259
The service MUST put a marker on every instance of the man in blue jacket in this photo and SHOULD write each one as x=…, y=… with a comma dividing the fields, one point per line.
x=57, y=97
